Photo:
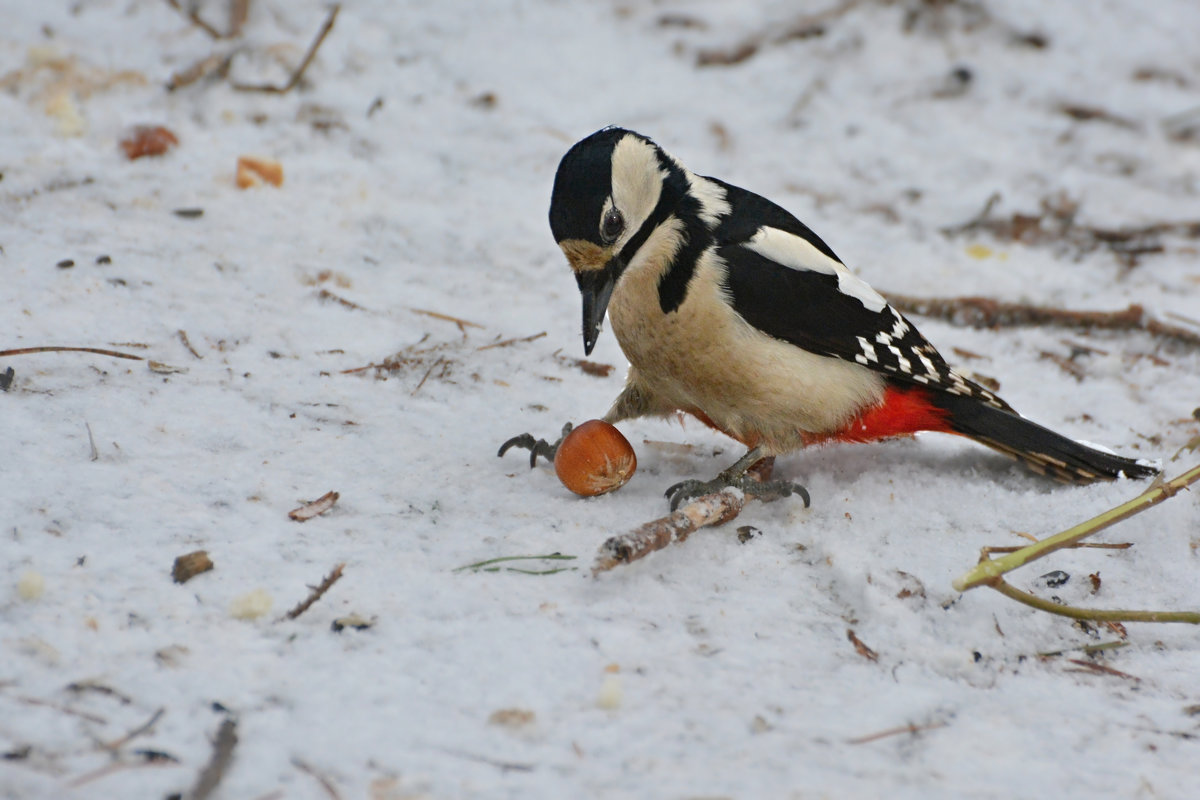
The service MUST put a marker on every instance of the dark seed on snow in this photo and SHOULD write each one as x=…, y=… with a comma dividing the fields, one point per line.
x=1055, y=579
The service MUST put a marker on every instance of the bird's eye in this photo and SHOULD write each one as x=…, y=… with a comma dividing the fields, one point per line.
x=612, y=225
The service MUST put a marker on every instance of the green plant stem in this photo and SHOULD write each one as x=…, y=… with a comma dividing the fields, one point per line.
x=1092, y=614
x=988, y=572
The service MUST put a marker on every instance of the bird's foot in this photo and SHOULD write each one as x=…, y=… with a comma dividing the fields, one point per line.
x=536, y=447
x=686, y=491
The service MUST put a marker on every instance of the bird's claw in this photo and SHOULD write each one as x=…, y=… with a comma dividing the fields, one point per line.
x=536, y=447
x=686, y=491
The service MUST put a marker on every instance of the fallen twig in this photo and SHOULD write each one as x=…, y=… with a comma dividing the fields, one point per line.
x=805, y=27
x=711, y=509
x=316, y=592
x=461, y=323
x=21, y=351
x=492, y=564
x=985, y=312
x=216, y=63
x=1055, y=224
x=222, y=755
x=913, y=729
x=117, y=744
x=298, y=73
x=33, y=701
x=989, y=572
x=1084, y=113
x=193, y=14
x=503, y=766
x=508, y=342
x=99, y=688
x=183, y=337
x=594, y=368
x=434, y=359
x=315, y=508
x=1094, y=667
x=860, y=646
x=321, y=779
x=327, y=296
x=1087, y=649
x=440, y=360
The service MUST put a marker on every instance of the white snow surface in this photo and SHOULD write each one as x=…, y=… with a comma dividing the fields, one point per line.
x=419, y=152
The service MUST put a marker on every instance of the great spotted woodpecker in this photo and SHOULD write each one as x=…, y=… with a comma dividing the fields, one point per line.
x=730, y=309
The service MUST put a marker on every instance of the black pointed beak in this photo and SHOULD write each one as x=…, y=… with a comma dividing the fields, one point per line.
x=596, y=288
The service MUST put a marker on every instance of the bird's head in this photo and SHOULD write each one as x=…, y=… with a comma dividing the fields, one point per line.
x=611, y=190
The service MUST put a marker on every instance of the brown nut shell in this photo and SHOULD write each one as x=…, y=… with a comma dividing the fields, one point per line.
x=594, y=458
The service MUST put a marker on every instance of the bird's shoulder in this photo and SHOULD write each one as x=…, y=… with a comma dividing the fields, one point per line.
x=784, y=280
x=748, y=212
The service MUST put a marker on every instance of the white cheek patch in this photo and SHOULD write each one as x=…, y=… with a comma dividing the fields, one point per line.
x=637, y=179
x=798, y=253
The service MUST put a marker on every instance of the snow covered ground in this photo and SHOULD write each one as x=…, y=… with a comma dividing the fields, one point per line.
x=418, y=153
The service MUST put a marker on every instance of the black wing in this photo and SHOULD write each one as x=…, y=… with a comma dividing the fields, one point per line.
x=785, y=281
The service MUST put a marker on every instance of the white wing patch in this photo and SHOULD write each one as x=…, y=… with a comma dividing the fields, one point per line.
x=796, y=252
x=713, y=205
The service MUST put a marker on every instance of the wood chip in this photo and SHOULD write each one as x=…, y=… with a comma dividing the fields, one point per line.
x=190, y=565
x=315, y=508
x=148, y=140
x=256, y=170
x=165, y=369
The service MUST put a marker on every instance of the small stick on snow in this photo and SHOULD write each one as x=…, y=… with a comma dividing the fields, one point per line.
x=214, y=770
x=271, y=88
x=507, y=342
x=711, y=509
x=985, y=312
x=913, y=729
x=117, y=744
x=183, y=337
x=316, y=592
x=315, y=508
x=1091, y=666
x=33, y=701
x=860, y=646
x=425, y=377
x=461, y=323
x=215, y=64
x=321, y=779
x=194, y=15
x=327, y=296
x=21, y=351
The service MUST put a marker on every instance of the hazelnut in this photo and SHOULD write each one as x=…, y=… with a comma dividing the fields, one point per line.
x=594, y=458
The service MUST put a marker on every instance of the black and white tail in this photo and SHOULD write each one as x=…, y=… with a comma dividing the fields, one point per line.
x=1040, y=449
